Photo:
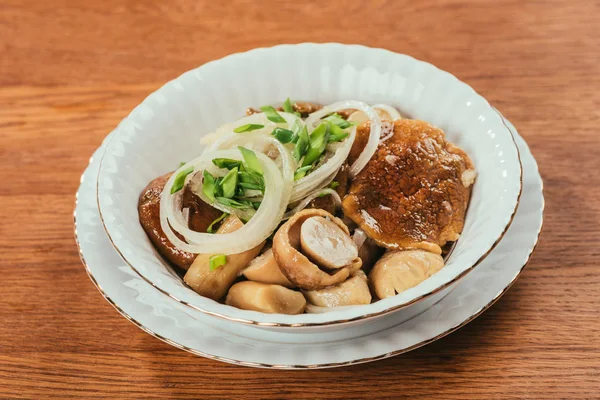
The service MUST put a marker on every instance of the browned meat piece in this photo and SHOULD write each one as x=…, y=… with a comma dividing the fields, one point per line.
x=302, y=107
x=326, y=202
x=201, y=214
x=362, y=137
x=149, y=212
x=414, y=192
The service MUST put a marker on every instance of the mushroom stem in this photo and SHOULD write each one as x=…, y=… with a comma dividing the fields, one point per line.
x=215, y=283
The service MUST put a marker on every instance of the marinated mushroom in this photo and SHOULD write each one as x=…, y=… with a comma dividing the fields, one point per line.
x=149, y=214
x=214, y=283
x=353, y=291
x=368, y=251
x=326, y=244
x=264, y=269
x=398, y=271
x=411, y=193
x=296, y=266
x=264, y=297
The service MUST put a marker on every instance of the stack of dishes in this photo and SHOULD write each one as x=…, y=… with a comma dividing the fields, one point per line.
x=499, y=230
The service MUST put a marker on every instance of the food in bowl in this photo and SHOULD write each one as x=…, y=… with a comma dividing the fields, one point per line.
x=308, y=208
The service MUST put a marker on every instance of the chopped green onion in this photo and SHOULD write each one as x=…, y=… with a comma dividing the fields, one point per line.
x=181, y=164
x=251, y=186
x=337, y=120
x=210, y=228
x=218, y=187
x=301, y=145
x=217, y=260
x=250, y=160
x=317, y=144
x=180, y=179
x=337, y=137
x=229, y=183
x=287, y=106
x=208, y=185
x=251, y=177
x=296, y=129
x=256, y=204
x=248, y=128
x=272, y=114
x=233, y=203
x=333, y=184
x=226, y=163
x=283, y=135
x=323, y=194
x=301, y=172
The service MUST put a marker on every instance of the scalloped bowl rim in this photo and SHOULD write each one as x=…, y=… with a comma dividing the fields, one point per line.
x=375, y=309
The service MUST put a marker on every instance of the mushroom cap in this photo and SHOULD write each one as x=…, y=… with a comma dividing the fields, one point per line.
x=295, y=265
x=398, y=271
x=411, y=193
x=264, y=297
x=325, y=243
x=353, y=291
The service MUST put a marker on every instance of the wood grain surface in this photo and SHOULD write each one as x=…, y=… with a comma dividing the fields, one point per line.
x=70, y=70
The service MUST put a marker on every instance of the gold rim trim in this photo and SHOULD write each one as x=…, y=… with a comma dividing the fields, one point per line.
x=339, y=321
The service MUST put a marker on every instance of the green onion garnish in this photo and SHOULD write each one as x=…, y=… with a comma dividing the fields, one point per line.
x=296, y=129
x=301, y=145
x=337, y=120
x=180, y=179
x=272, y=114
x=233, y=203
x=217, y=260
x=250, y=160
x=333, y=184
x=208, y=185
x=317, y=144
x=210, y=228
x=226, y=163
x=229, y=183
x=301, y=172
x=283, y=135
x=251, y=186
x=248, y=128
x=287, y=106
x=337, y=137
x=181, y=164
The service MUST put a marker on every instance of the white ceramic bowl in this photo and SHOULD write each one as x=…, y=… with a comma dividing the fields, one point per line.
x=166, y=129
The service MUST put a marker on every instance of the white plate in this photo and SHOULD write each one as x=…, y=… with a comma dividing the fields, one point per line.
x=167, y=126
x=211, y=337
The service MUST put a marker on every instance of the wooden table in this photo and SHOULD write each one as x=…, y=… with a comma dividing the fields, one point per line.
x=70, y=70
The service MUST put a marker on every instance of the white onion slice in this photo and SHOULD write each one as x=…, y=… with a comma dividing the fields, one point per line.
x=224, y=132
x=391, y=111
x=321, y=192
x=375, y=132
x=261, y=225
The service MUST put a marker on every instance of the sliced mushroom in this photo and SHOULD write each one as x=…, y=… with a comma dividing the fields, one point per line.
x=295, y=265
x=325, y=243
x=398, y=271
x=264, y=297
x=215, y=283
x=353, y=291
x=264, y=269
